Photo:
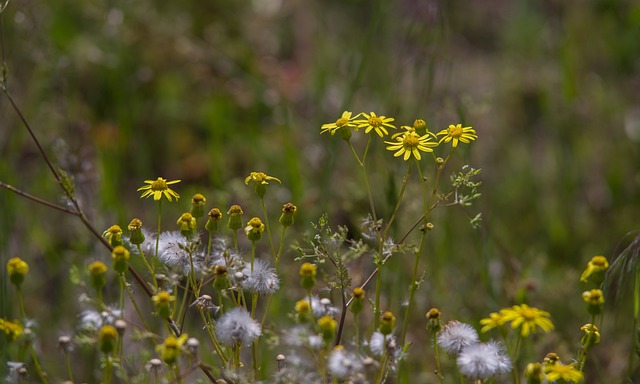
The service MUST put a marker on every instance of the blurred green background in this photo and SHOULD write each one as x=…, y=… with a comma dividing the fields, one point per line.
x=208, y=91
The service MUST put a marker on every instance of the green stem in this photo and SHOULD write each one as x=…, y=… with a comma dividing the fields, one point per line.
x=122, y=284
x=34, y=356
x=235, y=240
x=266, y=222
x=106, y=379
x=67, y=362
x=135, y=306
x=146, y=263
x=254, y=358
x=437, y=354
x=413, y=288
x=154, y=262
x=377, y=312
x=400, y=197
x=284, y=229
x=253, y=254
x=516, y=359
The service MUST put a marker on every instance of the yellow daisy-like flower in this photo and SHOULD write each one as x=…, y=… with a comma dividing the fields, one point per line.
x=456, y=133
x=493, y=321
x=527, y=318
x=560, y=371
x=377, y=123
x=260, y=178
x=159, y=187
x=13, y=329
x=410, y=143
x=345, y=121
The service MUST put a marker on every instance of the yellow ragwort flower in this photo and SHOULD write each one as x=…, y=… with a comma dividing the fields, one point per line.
x=597, y=265
x=456, y=133
x=260, y=178
x=345, y=121
x=377, y=123
x=13, y=329
x=494, y=320
x=560, y=371
x=527, y=318
x=409, y=143
x=159, y=187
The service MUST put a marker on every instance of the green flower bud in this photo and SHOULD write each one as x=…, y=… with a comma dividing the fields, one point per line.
x=120, y=258
x=98, y=275
x=595, y=301
x=114, y=235
x=214, y=217
x=328, y=327
x=288, y=211
x=17, y=270
x=254, y=229
x=220, y=282
x=303, y=310
x=108, y=339
x=387, y=323
x=434, y=322
x=308, y=275
x=197, y=205
x=358, y=300
x=187, y=224
x=162, y=303
x=135, y=229
x=235, y=217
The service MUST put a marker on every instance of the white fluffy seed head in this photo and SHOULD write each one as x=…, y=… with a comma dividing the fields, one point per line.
x=455, y=336
x=262, y=280
x=343, y=364
x=237, y=326
x=483, y=360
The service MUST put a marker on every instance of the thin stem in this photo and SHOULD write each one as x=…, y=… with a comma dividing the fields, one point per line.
x=412, y=289
x=67, y=362
x=437, y=356
x=122, y=284
x=146, y=263
x=106, y=379
x=154, y=262
x=377, y=312
x=266, y=222
x=135, y=306
x=212, y=336
x=405, y=180
x=37, y=199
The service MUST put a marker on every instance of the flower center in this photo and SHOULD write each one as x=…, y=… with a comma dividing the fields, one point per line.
x=528, y=314
x=159, y=185
x=455, y=130
x=411, y=140
x=341, y=122
x=375, y=121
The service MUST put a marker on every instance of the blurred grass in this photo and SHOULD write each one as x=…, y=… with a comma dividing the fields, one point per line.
x=206, y=92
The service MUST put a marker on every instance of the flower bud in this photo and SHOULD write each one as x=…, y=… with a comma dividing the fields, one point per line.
x=591, y=336
x=220, y=282
x=345, y=133
x=171, y=348
x=387, y=323
x=107, y=338
x=162, y=302
x=534, y=373
x=114, y=235
x=596, y=270
x=308, y=275
x=288, y=211
x=17, y=270
x=595, y=301
x=328, y=326
x=303, y=310
x=187, y=224
x=358, y=300
x=235, y=217
x=98, y=274
x=214, y=217
x=254, y=229
x=420, y=126
x=434, y=322
x=135, y=230
x=120, y=258
x=197, y=205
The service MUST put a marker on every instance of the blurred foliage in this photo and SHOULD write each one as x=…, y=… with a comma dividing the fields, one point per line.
x=208, y=91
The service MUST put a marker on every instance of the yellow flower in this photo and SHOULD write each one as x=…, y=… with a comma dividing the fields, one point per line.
x=457, y=133
x=157, y=188
x=345, y=121
x=171, y=348
x=591, y=335
x=17, y=269
x=13, y=329
x=528, y=318
x=377, y=123
x=597, y=265
x=493, y=321
x=410, y=143
x=108, y=338
x=260, y=178
x=560, y=371
x=254, y=229
x=113, y=234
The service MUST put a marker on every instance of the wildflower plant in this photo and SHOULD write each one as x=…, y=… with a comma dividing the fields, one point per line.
x=201, y=280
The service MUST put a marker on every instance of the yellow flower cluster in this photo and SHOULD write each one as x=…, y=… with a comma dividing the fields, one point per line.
x=408, y=143
x=527, y=318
